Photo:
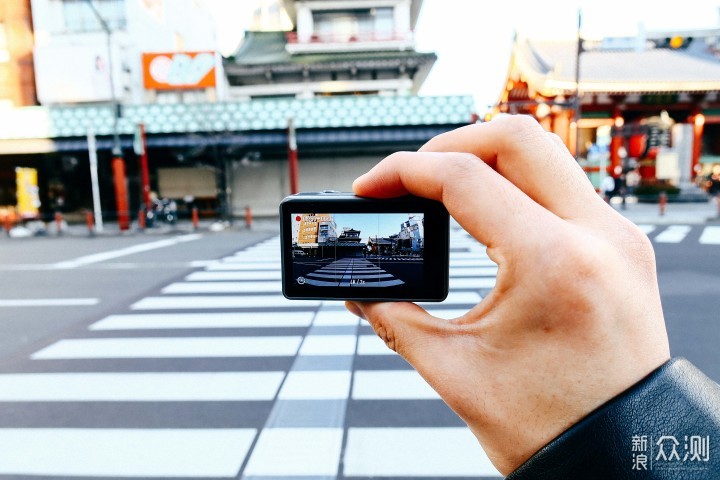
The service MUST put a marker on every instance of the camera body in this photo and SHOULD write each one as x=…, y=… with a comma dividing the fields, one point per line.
x=338, y=246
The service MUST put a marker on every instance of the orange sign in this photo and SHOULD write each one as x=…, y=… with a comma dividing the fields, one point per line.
x=178, y=71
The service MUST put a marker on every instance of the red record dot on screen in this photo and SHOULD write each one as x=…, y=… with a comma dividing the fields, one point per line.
x=297, y=219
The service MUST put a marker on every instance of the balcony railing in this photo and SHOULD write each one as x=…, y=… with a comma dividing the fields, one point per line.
x=360, y=37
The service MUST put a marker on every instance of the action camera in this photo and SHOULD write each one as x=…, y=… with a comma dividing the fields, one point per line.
x=338, y=246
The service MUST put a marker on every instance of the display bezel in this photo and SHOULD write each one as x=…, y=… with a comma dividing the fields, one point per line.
x=436, y=243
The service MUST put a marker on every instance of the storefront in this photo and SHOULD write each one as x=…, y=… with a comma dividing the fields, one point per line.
x=649, y=105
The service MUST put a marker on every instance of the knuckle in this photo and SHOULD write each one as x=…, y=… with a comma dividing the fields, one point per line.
x=462, y=164
x=523, y=126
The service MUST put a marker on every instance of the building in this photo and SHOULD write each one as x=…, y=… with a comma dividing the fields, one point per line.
x=651, y=101
x=17, y=79
x=67, y=32
x=410, y=238
x=348, y=47
x=312, y=228
x=204, y=149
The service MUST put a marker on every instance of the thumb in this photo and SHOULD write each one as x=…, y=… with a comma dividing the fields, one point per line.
x=405, y=328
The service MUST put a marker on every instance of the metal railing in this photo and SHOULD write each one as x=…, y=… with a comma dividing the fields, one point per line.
x=360, y=37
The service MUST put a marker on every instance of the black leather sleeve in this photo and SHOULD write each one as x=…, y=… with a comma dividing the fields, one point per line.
x=667, y=426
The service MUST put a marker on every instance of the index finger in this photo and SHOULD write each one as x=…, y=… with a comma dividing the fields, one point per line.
x=487, y=205
x=531, y=158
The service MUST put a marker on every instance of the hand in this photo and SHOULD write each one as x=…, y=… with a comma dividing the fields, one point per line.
x=575, y=317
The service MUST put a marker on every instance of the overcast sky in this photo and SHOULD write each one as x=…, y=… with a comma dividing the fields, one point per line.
x=472, y=38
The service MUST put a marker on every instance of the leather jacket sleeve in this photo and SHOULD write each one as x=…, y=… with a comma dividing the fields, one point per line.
x=667, y=426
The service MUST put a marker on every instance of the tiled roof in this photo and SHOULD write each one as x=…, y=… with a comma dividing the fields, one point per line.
x=240, y=116
x=551, y=65
x=268, y=48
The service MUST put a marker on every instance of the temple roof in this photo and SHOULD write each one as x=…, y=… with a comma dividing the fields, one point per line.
x=549, y=66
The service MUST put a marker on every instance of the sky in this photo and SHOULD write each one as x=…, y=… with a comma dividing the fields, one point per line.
x=473, y=38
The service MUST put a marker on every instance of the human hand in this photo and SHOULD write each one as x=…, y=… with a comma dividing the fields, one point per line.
x=575, y=316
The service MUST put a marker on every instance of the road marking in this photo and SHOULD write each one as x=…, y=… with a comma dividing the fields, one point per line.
x=325, y=385
x=253, y=257
x=488, y=282
x=672, y=234
x=482, y=262
x=710, y=236
x=249, y=260
x=220, y=267
x=224, y=287
x=455, y=298
x=391, y=385
x=143, y=247
x=219, y=301
x=467, y=256
x=295, y=452
x=333, y=318
x=328, y=345
x=372, y=345
x=224, y=276
x=484, y=271
x=416, y=452
x=646, y=229
x=171, y=347
x=151, y=321
x=49, y=302
x=140, y=387
x=124, y=452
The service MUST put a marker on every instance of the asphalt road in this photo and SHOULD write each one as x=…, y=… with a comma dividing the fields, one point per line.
x=174, y=356
x=33, y=269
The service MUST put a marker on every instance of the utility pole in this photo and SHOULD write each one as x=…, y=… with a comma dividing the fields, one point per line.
x=576, y=109
x=292, y=157
x=118, y=164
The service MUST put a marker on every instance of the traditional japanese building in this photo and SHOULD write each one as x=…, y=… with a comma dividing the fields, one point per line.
x=651, y=101
x=335, y=48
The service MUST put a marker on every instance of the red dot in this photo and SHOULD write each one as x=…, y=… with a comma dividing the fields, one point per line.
x=297, y=219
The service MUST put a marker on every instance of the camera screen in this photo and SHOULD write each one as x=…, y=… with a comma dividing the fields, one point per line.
x=358, y=249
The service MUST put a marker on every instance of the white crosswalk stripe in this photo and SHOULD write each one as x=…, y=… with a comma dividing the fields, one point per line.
x=710, y=236
x=139, y=387
x=85, y=452
x=673, y=234
x=305, y=432
x=668, y=234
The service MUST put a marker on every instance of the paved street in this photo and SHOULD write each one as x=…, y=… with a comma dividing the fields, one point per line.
x=176, y=356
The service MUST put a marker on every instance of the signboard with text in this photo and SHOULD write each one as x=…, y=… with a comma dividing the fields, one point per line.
x=179, y=70
x=28, y=198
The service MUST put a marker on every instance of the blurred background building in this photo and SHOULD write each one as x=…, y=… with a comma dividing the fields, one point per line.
x=217, y=129
x=17, y=77
x=648, y=104
x=337, y=48
x=72, y=55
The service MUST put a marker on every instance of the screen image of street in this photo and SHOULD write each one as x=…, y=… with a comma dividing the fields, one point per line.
x=358, y=250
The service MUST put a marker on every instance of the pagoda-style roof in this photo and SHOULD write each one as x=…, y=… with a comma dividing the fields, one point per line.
x=267, y=50
x=620, y=67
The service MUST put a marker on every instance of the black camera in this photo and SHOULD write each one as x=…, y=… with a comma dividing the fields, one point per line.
x=338, y=246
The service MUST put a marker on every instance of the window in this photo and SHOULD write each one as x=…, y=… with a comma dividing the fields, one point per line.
x=79, y=16
x=354, y=24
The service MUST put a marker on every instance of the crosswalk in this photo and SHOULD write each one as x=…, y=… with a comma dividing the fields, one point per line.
x=700, y=234
x=351, y=272
x=219, y=376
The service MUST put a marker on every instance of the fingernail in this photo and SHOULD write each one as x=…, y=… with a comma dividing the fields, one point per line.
x=354, y=309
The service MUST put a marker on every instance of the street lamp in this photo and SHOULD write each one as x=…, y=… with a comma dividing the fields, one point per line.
x=118, y=164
